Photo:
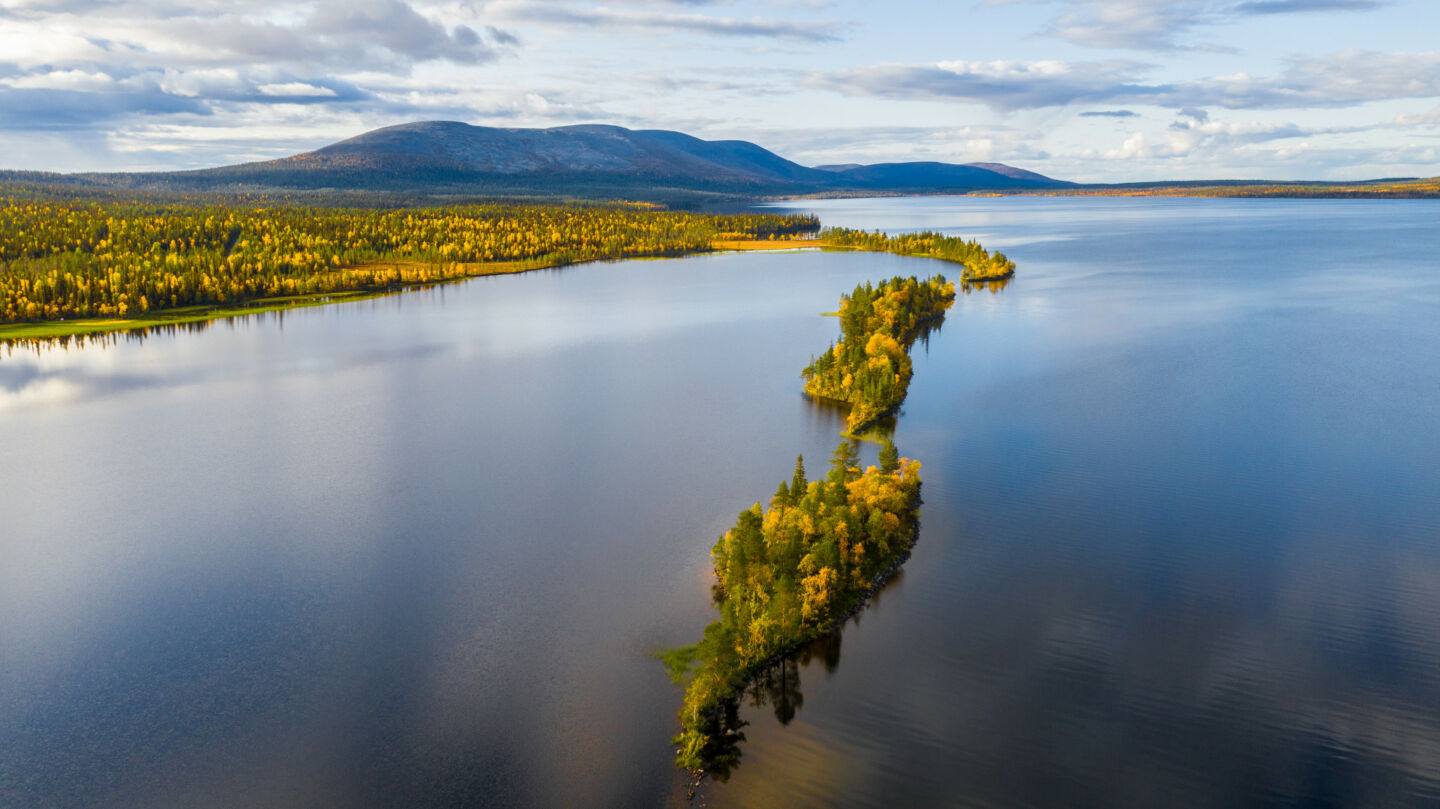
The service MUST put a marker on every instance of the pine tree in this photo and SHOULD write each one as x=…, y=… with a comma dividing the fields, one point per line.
x=889, y=457
x=844, y=462
x=797, y=480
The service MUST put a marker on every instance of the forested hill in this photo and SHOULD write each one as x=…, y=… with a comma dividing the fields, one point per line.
x=451, y=157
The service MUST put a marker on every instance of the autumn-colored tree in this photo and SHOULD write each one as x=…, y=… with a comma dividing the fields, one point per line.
x=787, y=573
x=77, y=258
x=869, y=368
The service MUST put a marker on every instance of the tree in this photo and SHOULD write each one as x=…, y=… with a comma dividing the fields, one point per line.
x=781, y=499
x=889, y=457
x=844, y=462
x=797, y=480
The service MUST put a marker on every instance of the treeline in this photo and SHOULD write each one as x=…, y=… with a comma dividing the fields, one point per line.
x=870, y=367
x=786, y=574
x=1368, y=189
x=979, y=263
x=64, y=259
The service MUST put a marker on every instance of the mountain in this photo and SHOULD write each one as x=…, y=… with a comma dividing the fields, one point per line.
x=939, y=177
x=587, y=160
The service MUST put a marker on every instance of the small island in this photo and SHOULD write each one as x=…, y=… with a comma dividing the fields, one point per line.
x=787, y=574
x=870, y=368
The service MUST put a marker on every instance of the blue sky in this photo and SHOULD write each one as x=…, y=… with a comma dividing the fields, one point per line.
x=1091, y=90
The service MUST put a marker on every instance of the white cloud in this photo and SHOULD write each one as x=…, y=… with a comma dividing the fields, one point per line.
x=1345, y=79
x=1407, y=120
x=590, y=16
x=1163, y=25
x=295, y=88
x=79, y=80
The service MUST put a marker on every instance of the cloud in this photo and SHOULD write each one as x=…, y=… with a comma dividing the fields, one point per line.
x=1109, y=114
x=1193, y=133
x=371, y=35
x=399, y=29
x=1344, y=79
x=1292, y=6
x=1160, y=25
x=1000, y=85
x=1150, y=26
x=602, y=17
x=49, y=109
x=1406, y=120
x=295, y=89
x=885, y=144
x=1287, y=158
x=72, y=64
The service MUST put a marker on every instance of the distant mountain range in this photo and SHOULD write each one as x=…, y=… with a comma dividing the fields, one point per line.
x=452, y=157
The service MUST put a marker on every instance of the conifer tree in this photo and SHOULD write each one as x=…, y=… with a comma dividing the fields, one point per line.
x=889, y=457
x=797, y=480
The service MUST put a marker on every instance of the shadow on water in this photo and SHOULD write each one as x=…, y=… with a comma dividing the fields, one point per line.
x=107, y=339
x=779, y=684
x=884, y=426
x=970, y=287
x=779, y=687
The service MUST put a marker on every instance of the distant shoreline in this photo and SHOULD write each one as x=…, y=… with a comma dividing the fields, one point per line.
x=50, y=330
x=1369, y=189
x=47, y=330
x=60, y=329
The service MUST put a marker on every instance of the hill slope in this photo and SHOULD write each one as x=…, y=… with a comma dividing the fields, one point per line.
x=447, y=156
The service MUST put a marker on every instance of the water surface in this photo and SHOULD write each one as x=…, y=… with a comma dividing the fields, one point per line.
x=1180, y=544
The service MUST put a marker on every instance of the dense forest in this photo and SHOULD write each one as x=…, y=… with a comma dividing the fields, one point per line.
x=979, y=263
x=786, y=574
x=63, y=259
x=870, y=367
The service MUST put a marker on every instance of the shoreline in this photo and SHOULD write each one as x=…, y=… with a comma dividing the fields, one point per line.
x=58, y=330
x=877, y=584
x=859, y=431
x=48, y=330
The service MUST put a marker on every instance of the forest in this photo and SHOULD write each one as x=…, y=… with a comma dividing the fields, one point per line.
x=979, y=264
x=869, y=368
x=786, y=574
x=77, y=258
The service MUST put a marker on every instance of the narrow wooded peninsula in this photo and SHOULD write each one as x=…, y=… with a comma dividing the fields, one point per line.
x=978, y=263
x=786, y=574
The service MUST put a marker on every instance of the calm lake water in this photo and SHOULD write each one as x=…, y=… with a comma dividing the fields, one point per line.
x=1180, y=544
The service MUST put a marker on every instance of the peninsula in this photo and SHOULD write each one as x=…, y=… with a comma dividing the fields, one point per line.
x=790, y=573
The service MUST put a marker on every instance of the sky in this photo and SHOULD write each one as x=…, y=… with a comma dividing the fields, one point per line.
x=1084, y=90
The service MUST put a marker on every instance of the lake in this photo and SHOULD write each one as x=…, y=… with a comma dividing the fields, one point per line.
x=1180, y=542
